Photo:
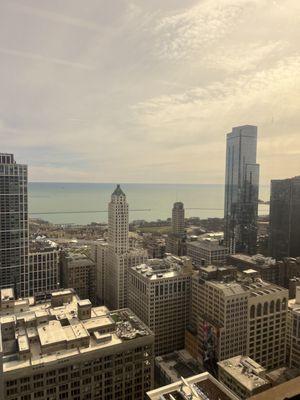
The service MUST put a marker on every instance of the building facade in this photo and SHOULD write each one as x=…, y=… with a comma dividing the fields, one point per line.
x=175, y=243
x=99, y=252
x=66, y=349
x=284, y=231
x=119, y=255
x=159, y=293
x=78, y=272
x=239, y=316
x=206, y=252
x=241, y=190
x=13, y=222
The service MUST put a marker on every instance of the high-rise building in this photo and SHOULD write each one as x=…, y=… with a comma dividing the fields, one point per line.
x=241, y=316
x=119, y=255
x=99, y=251
x=13, y=222
x=159, y=294
x=78, y=272
x=64, y=348
x=241, y=190
x=175, y=243
x=206, y=252
x=284, y=231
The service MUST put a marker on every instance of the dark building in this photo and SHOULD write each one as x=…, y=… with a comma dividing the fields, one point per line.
x=176, y=240
x=284, y=239
x=241, y=190
x=13, y=222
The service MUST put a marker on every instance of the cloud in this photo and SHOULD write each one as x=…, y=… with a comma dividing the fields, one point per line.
x=51, y=60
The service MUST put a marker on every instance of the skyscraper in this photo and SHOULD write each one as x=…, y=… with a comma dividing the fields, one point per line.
x=176, y=239
x=13, y=222
x=119, y=256
x=285, y=218
x=241, y=190
x=178, y=218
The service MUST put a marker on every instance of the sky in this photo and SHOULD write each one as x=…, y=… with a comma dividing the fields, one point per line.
x=146, y=90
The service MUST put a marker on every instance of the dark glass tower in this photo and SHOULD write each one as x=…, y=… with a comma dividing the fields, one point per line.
x=241, y=190
x=285, y=218
x=13, y=222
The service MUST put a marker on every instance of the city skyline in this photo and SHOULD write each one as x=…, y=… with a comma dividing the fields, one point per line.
x=129, y=91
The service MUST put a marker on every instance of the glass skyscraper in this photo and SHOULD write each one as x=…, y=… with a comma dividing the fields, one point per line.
x=13, y=222
x=241, y=190
x=284, y=237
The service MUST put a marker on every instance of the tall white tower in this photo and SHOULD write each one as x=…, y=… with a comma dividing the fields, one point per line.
x=118, y=228
x=119, y=256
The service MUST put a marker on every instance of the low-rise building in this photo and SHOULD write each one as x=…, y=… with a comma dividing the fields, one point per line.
x=243, y=376
x=198, y=387
x=159, y=293
x=66, y=349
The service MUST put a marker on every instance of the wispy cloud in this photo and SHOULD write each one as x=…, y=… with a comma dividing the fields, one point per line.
x=51, y=60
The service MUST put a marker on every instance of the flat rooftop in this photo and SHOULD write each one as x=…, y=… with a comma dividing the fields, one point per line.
x=199, y=387
x=284, y=391
x=168, y=267
x=178, y=364
x=244, y=370
x=43, y=333
x=208, y=244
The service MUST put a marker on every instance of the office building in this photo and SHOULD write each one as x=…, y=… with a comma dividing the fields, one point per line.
x=284, y=235
x=239, y=316
x=66, y=349
x=99, y=250
x=241, y=190
x=159, y=293
x=207, y=252
x=175, y=243
x=243, y=376
x=78, y=272
x=198, y=387
x=13, y=222
x=119, y=255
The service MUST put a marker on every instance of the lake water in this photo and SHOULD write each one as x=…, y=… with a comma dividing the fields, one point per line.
x=155, y=200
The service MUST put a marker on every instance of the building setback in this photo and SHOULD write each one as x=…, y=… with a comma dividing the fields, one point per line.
x=66, y=349
x=284, y=231
x=13, y=222
x=119, y=256
x=241, y=190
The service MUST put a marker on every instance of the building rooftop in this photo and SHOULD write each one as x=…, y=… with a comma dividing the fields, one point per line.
x=50, y=330
x=285, y=391
x=178, y=364
x=118, y=191
x=208, y=244
x=167, y=267
x=198, y=387
x=246, y=371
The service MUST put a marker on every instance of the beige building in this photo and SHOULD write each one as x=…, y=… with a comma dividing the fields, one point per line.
x=198, y=387
x=66, y=349
x=159, y=293
x=42, y=272
x=243, y=376
x=78, y=271
x=206, y=252
x=175, y=243
x=243, y=316
x=119, y=255
x=99, y=250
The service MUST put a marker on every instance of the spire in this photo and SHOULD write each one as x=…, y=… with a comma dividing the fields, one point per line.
x=118, y=191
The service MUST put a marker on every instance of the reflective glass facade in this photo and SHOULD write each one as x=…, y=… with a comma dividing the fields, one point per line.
x=285, y=218
x=241, y=190
x=13, y=222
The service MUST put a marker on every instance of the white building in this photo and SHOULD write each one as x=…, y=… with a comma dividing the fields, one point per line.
x=119, y=255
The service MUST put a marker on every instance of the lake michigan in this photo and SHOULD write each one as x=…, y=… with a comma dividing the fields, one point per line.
x=54, y=202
